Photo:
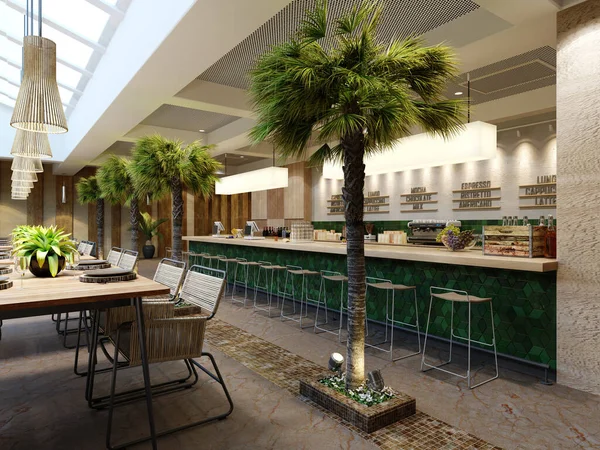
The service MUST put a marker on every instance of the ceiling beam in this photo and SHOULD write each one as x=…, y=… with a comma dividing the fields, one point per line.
x=114, y=102
x=204, y=106
x=170, y=133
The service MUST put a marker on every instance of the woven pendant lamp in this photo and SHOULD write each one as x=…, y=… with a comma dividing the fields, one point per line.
x=38, y=107
x=22, y=184
x=24, y=176
x=31, y=145
x=21, y=164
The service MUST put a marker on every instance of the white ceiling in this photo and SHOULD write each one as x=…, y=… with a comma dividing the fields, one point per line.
x=81, y=29
x=179, y=81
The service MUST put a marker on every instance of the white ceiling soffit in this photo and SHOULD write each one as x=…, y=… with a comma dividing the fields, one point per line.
x=188, y=36
x=176, y=117
x=528, y=71
x=400, y=19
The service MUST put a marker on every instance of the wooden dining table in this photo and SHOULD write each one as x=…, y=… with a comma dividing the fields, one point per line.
x=65, y=293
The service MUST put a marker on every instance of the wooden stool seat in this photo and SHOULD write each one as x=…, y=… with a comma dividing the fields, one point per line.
x=390, y=286
x=455, y=297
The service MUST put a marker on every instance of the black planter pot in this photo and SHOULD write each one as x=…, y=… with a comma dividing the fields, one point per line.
x=148, y=251
x=44, y=271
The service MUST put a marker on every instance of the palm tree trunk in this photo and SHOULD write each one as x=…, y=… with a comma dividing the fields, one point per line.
x=134, y=217
x=177, y=205
x=353, y=195
x=100, y=228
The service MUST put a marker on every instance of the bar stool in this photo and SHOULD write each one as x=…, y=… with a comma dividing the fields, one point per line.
x=225, y=260
x=208, y=259
x=454, y=295
x=270, y=287
x=388, y=286
x=244, y=264
x=193, y=259
x=291, y=273
x=328, y=275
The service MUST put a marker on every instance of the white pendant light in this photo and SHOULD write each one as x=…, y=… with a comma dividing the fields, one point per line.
x=26, y=176
x=255, y=180
x=22, y=183
x=21, y=164
x=38, y=107
x=31, y=145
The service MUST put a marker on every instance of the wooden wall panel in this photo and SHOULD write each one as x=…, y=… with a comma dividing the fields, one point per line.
x=115, y=227
x=259, y=205
x=35, y=203
x=202, y=216
x=164, y=210
x=225, y=215
x=275, y=204
x=246, y=207
x=215, y=211
x=64, y=211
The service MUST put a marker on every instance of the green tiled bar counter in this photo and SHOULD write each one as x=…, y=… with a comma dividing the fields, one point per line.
x=523, y=290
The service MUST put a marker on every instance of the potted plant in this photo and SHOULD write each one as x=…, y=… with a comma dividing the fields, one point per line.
x=149, y=229
x=46, y=248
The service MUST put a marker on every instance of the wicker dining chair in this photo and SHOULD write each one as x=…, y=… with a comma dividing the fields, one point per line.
x=88, y=248
x=169, y=272
x=114, y=256
x=172, y=339
x=81, y=247
x=128, y=260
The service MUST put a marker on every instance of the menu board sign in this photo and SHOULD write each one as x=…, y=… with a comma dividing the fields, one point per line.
x=374, y=203
x=543, y=193
x=417, y=200
x=476, y=195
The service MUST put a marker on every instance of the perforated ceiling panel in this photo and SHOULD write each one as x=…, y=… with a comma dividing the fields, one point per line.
x=401, y=18
x=521, y=73
x=171, y=116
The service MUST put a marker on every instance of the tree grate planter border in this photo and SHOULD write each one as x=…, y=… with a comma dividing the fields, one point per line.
x=363, y=417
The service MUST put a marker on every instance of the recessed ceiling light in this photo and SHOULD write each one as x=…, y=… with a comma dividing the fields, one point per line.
x=458, y=93
x=241, y=156
x=201, y=131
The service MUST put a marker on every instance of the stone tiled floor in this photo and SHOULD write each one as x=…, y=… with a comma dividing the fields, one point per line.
x=285, y=369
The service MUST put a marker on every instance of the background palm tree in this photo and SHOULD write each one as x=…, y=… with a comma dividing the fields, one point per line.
x=117, y=188
x=88, y=191
x=364, y=95
x=163, y=166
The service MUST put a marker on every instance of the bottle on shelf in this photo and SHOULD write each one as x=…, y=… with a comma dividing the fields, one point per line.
x=525, y=220
x=504, y=221
x=542, y=222
x=550, y=247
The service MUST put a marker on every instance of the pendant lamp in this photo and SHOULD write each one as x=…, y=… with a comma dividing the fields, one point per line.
x=21, y=164
x=24, y=176
x=31, y=145
x=38, y=107
x=22, y=184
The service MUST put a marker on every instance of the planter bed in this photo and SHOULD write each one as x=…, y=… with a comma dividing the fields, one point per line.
x=366, y=418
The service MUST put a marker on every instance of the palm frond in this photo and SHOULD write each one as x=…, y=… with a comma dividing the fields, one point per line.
x=88, y=190
x=326, y=153
x=157, y=161
x=303, y=92
x=314, y=25
x=115, y=182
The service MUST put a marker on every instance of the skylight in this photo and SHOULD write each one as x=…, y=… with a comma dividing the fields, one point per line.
x=81, y=30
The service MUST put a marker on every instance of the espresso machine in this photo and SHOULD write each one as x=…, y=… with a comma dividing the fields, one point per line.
x=425, y=231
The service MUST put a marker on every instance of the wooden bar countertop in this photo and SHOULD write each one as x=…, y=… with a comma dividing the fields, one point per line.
x=409, y=252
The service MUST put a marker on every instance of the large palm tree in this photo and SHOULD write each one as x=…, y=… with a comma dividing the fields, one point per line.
x=335, y=82
x=163, y=166
x=118, y=189
x=88, y=191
